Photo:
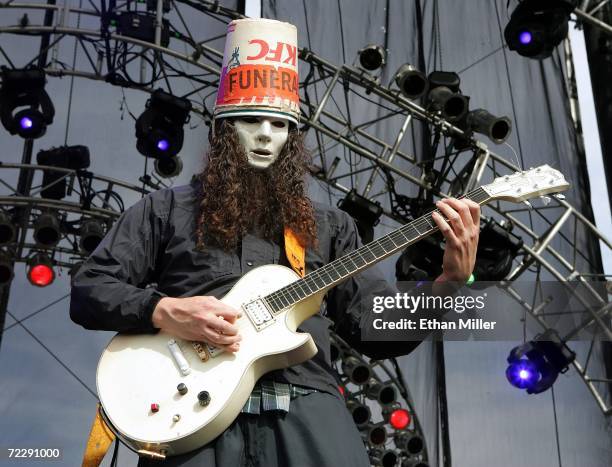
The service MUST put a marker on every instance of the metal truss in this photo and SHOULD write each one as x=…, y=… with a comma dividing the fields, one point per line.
x=374, y=155
x=592, y=12
x=358, y=396
x=90, y=197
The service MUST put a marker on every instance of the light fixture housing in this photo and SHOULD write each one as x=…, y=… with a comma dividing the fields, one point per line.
x=372, y=57
x=47, y=230
x=91, y=234
x=536, y=27
x=25, y=107
x=411, y=82
x=159, y=129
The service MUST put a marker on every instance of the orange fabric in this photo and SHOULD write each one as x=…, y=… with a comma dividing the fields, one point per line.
x=296, y=253
x=100, y=439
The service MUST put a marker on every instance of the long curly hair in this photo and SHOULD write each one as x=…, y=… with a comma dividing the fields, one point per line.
x=234, y=198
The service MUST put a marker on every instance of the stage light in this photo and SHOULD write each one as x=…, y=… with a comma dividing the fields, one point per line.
x=159, y=129
x=65, y=157
x=535, y=365
x=525, y=37
x=357, y=371
x=142, y=26
x=40, y=270
x=372, y=57
x=421, y=262
x=398, y=418
x=167, y=167
x=377, y=435
x=360, y=412
x=47, y=230
x=23, y=89
x=409, y=441
x=536, y=27
x=383, y=393
x=7, y=229
x=365, y=212
x=388, y=458
x=91, y=233
x=444, y=95
x=522, y=374
x=497, y=248
x=412, y=82
x=497, y=129
x=6, y=268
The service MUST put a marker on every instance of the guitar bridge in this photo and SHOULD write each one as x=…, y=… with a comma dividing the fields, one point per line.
x=258, y=313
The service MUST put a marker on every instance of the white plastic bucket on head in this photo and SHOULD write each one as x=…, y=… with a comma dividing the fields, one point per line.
x=259, y=75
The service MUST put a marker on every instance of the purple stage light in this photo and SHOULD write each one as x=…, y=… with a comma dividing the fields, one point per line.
x=522, y=374
x=525, y=37
x=163, y=145
x=26, y=123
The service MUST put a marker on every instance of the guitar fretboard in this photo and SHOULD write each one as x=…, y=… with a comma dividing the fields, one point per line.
x=346, y=266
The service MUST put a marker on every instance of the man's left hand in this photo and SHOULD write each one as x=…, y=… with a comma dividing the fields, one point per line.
x=461, y=234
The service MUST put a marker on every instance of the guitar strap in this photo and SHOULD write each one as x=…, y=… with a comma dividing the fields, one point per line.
x=296, y=253
x=100, y=439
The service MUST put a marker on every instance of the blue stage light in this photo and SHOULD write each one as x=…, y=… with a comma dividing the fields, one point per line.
x=535, y=365
x=26, y=123
x=163, y=145
x=522, y=374
x=525, y=37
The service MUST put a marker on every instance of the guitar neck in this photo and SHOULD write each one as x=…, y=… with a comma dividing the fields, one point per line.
x=350, y=264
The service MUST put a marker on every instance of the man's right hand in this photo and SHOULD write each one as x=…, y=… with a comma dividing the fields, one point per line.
x=201, y=318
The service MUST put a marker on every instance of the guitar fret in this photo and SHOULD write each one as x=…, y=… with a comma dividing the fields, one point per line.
x=354, y=261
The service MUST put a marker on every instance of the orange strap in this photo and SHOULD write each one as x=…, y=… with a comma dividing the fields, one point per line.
x=296, y=253
x=100, y=439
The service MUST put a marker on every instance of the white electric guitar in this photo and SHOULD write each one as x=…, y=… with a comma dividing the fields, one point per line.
x=165, y=396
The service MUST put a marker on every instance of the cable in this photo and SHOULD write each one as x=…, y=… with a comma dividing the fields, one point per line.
x=554, y=404
x=518, y=133
x=70, y=93
x=36, y=312
x=341, y=32
x=53, y=355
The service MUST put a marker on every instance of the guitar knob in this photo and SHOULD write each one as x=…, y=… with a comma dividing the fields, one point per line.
x=182, y=389
x=204, y=398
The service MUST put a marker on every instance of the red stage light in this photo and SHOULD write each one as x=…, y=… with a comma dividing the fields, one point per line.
x=399, y=419
x=41, y=274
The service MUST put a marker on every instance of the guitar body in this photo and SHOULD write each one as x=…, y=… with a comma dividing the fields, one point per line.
x=136, y=371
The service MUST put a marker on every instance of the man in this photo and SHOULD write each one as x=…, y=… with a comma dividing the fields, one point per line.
x=194, y=242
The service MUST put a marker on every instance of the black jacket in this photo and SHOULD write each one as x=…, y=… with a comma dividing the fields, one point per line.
x=150, y=253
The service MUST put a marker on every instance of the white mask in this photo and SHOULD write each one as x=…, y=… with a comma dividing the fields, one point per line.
x=263, y=139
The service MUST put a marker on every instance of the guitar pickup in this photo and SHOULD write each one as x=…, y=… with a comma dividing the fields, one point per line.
x=258, y=313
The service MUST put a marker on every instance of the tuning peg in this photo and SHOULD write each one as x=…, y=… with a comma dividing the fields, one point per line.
x=546, y=200
x=559, y=196
x=528, y=204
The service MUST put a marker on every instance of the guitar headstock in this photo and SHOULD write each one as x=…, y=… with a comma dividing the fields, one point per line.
x=521, y=186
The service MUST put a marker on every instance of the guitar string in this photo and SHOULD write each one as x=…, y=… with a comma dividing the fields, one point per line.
x=384, y=245
x=376, y=249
